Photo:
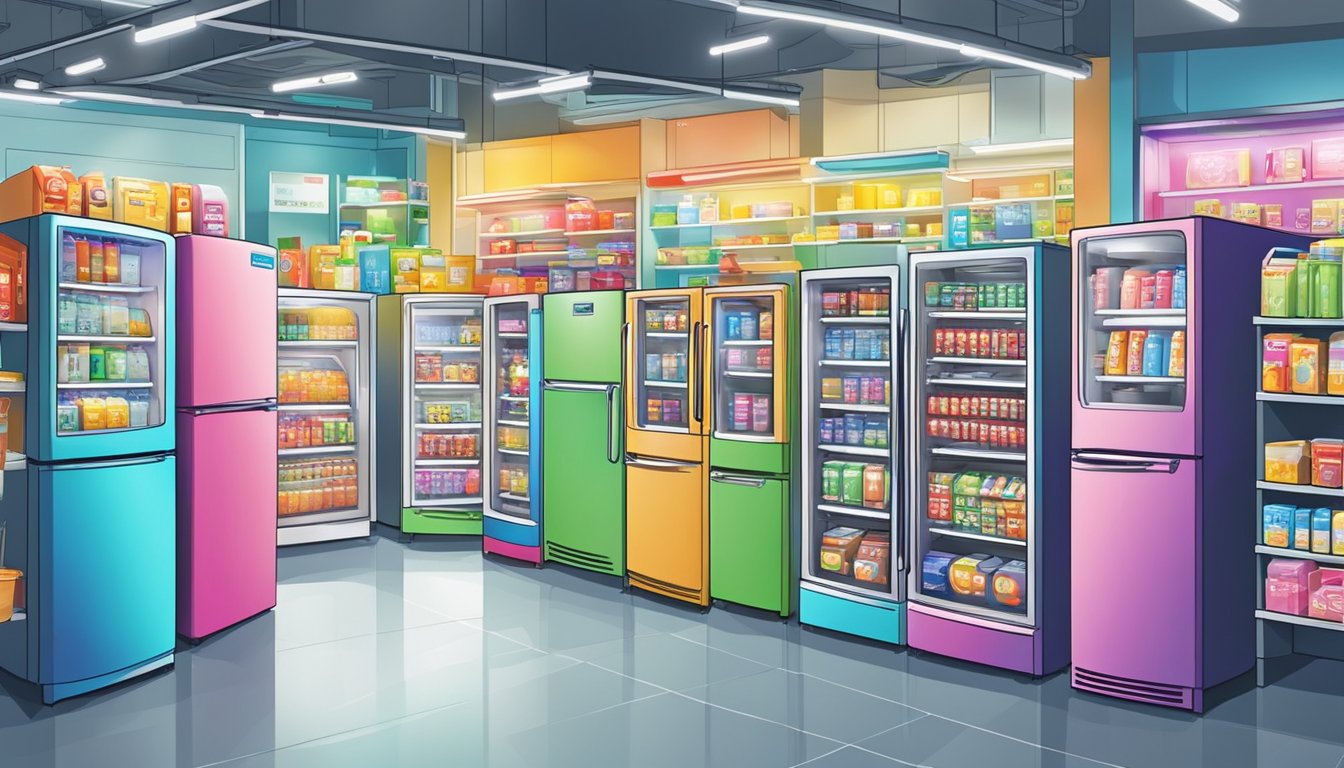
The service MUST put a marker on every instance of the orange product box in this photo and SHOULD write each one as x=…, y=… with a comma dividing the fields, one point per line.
x=97, y=201
x=14, y=273
x=41, y=189
x=180, y=224
x=1307, y=365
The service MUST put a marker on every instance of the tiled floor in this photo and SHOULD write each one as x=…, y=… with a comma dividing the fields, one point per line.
x=382, y=654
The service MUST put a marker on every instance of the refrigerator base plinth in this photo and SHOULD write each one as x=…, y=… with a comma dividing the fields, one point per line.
x=862, y=617
x=434, y=522
x=198, y=629
x=609, y=563
x=55, y=692
x=514, y=551
x=1018, y=649
x=1129, y=689
x=657, y=587
x=312, y=534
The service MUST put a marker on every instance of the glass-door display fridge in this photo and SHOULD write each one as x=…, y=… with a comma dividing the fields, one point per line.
x=853, y=544
x=512, y=455
x=88, y=509
x=326, y=425
x=431, y=370
x=988, y=457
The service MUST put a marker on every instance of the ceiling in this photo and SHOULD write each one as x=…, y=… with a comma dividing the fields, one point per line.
x=424, y=62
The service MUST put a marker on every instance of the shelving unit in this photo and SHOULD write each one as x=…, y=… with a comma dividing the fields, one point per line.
x=1047, y=190
x=1286, y=416
x=400, y=215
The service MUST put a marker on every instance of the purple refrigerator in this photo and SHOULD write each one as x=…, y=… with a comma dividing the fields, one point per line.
x=226, y=427
x=1164, y=456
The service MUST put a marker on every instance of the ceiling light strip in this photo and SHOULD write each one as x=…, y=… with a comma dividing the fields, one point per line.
x=88, y=66
x=382, y=45
x=1220, y=8
x=739, y=45
x=315, y=81
x=764, y=98
x=423, y=130
x=64, y=43
x=559, y=84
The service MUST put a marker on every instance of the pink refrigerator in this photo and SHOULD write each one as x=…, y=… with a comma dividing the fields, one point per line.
x=1163, y=461
x=226, y=426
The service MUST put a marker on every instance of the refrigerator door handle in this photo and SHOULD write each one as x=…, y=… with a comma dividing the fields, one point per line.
x=557, y=386
x=697, y=354
x=268, y=404
x=750, y=482
x=631, y=460
x=611, y=402
x=128, y=462
x=1095, y=462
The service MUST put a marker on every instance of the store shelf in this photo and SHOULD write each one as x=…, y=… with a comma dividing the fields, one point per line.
x=666, y=334
x=107, y=288
x=447, y=462
x=986, y=383
x=514, y=398
x=1301, y=621
x=513, y=423
x=1141, y=379
x=109, y=339
x=1311, y=184
x=870, y=514
x=314, y=406
x=982, y=314
x=1161, y=321
x=753, y=246
x=445, y=386
x=977, y=361
x=1277, y=397
x=14, y=387
x=1140, y=313
x=316, y=450
x=1318, y=322
x=511, y=335
x=453, y=425
x=1005, y=200
x=387, y=204
x=523, y=233
x=598, y=232
x=665, y=384
x=318, y=344
x=1309, y=490
x=855, y=450
x=749, y=374
x=730, y=223
x=986, y=454
x=447, y=348
x=913, y=209
x=715, y=265
x=15, y=460
x=107, y=385
x=856, y=363
x=859, y=320
x=1299, y=554
x=891, y=239
x=854, y=407
x=513, y=452
x=977, y=537
x=515, y=497
x=13, y=327
x=748, y=343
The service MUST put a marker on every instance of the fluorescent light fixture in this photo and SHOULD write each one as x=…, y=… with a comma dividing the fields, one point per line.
x=557, y=84
x=423, y=130
x=778, y=11
x=1024, y=146
x=976, y=52
x=954, y=177
x=166, y=29
x=30, y=98
x=85, y=67
x=24, y=84
x=739, y=45
x=1220, y=8
x=315, y=81
x=788, y=101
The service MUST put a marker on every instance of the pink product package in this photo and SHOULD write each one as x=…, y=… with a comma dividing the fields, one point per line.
x=1218, y=168
x=1327, y=158
x=1285, y=165
x=210, y=210
x=1289, y=585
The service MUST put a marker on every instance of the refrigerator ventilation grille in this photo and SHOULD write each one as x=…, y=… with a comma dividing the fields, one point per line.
x=1137, y=690
x=577, y=557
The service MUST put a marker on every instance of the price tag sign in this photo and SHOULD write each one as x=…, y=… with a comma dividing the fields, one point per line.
x=300, y=193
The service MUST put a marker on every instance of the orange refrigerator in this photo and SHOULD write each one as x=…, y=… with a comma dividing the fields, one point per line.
x=708, y=449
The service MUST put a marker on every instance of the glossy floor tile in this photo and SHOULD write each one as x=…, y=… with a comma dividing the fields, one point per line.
x=383, y=652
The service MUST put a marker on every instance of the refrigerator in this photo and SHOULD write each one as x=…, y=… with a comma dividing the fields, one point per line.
x=88, y=504
x=513, y=513
x=326, y=433
x=226, y=433
x=1162, y=466
x=430, y=369
x=988, y=449
x=582, y=438
x=848, y=340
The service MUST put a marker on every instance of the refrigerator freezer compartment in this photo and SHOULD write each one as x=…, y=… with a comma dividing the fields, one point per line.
x=994, y=642
x=749, y=553
x=666, y=545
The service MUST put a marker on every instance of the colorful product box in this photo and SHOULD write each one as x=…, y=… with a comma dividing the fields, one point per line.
x=1274, y=376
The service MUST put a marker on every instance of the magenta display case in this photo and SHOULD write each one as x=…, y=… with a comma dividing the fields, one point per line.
x=1166, y=151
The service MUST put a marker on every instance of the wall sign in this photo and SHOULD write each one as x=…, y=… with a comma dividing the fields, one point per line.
x=300, y=193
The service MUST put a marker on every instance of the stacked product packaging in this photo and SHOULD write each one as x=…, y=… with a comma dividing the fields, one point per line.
x=173, y=207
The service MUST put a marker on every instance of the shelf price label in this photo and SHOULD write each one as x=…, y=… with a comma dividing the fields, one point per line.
x=300, y=193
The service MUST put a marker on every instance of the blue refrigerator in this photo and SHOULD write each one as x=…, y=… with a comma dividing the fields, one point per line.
x=89, y=484
x=512, y=457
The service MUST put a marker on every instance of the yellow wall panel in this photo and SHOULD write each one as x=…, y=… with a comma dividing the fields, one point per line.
x=517, y=164
x=604, y=155
x=1092, y=147
x=439, y=176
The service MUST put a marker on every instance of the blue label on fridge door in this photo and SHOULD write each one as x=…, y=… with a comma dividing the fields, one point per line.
x=262, y=261
x=584, y=308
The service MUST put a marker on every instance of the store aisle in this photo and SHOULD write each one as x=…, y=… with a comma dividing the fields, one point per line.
x=382, y=654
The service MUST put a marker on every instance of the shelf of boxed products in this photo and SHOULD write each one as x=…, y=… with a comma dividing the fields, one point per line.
x=966, y=450
x=867, y=514
x=1319, y=322
x=107, y=339
x=978, y=314
x=453, y=425
x=106, y=384
x=1301, y=621
x=1288, y=185
x=977, y=361
x=1310, y=490
x=314, y=406
x=956, y=534
x=914, y=209
x=317, y=450
x=973, y=381
x=318, y=344
x=521, y=234
x=1280, y=397
x=724, y=223
x=107, y=288
x=1299, y=554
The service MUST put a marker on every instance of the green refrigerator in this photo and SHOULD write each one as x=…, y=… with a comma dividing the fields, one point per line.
x=583, y=430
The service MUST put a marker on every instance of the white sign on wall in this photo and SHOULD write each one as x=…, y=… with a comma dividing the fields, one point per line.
x=300, y=192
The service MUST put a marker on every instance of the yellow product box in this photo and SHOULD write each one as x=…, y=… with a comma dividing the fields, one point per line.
x=322, y=265
x=460, y=273
x=1307, y=366
x=923, y=197
x=1288, y=461
x=865, y=196
x=1324, y=217
x=1247, y=213
x=433, y=271
x=141, y=202
x=1211, y=207
x=828, y=232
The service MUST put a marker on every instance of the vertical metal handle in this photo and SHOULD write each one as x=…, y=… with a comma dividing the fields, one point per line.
x=633, y=375
x=698, y=387
x=611, y=401
x=707, y=360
